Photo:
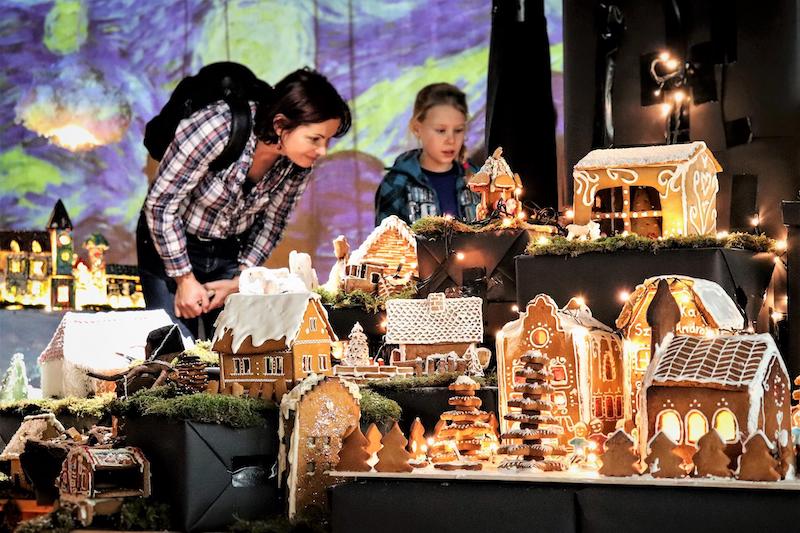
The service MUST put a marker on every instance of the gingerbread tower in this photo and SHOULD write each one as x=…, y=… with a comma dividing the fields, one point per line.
x=466, y=437
x=536, y=424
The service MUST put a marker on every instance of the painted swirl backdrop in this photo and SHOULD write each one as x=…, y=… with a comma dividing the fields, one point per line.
x=115, y=62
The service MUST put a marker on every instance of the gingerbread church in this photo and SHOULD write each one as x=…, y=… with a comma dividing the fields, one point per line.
x=584, y=358
x=735, y=384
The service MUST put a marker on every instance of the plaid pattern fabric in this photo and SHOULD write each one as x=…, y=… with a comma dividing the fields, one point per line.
x=406, y=192
x=188, y=198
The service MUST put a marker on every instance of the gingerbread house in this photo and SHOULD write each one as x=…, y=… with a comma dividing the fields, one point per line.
x=269, y=342
x=585, y=360
x=705, y=310
x=314, y=419
x=388, y=253
x=39, y=427
x=736, y=384
x=498, y=186
x=101, y=343
x=655, y=191
x=428, y=330
x=101, y=472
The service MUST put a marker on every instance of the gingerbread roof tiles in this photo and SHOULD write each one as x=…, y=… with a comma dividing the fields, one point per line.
x=734, y=362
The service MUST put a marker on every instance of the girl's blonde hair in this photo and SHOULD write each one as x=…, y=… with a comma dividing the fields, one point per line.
x=440, y=94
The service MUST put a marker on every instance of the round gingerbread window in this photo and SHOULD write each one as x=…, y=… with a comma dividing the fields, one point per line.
x=539, y=337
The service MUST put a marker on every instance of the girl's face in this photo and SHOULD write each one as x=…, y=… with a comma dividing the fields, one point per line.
x=442, y=136
x=307, y=143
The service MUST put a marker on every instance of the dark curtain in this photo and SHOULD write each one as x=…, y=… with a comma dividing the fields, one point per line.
x=520, y=115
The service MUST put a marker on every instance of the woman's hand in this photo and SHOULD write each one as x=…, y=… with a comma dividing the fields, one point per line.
x=191, y=298
x=219, y=290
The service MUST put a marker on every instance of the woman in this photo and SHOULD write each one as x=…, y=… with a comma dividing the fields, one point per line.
x=200, y=228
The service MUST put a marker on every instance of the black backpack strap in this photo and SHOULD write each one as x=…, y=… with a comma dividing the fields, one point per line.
x=241, y=126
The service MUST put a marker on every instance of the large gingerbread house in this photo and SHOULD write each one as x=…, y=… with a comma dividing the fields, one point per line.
x=736, y=384
x=427, y=330
x=388, y=253
x=269, y=342
x=705, y=310
x=314, y=419
x=655, y=191
x=585, y=361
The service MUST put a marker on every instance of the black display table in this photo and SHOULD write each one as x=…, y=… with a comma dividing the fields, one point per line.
x=599, y=277
x=441, y=502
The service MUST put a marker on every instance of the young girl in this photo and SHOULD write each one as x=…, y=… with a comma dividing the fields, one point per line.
x=431, y=180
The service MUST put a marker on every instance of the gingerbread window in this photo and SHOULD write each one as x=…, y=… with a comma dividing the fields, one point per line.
x=312, y=323
x=696, y=426
x=559, y=372
x=323, y=362
x=307, y=364
x=726, y=424
x=609, y=369
x=669, y=421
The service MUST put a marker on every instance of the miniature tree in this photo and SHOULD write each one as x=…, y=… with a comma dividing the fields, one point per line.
x=757, y=463
x=474, y=367
x=619, y=458
x=416, y=438
x=535, y=422
x=662, y=460
x=711, y=459
x=393, y=457
x=15, y=382
x=353, y=455
x=374, y=437
x=466, y=431
x=357, y=351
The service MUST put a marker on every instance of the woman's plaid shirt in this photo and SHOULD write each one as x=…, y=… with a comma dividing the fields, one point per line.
x=188, y=198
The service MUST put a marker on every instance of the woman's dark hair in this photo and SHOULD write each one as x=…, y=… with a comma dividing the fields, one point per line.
x=304, y=97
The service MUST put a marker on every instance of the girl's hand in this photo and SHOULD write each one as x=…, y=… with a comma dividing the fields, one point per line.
x=191, y=298
x=219, y=290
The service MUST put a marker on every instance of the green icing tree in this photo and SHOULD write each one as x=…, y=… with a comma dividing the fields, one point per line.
x=15, y=380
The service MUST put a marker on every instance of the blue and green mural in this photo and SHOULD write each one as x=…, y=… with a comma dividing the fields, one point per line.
x=113, y=63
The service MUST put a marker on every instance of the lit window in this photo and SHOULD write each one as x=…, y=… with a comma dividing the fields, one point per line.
x=559, y=374
x=609, y=370
x=539, y=337
x=696, y=426
x=725, y=423
x=560, y=399
x=307, y=364
x=618, y=412
x=15, y=266
x=62, y=294
x=609, y=404
x=597, y=407
x=669, y=422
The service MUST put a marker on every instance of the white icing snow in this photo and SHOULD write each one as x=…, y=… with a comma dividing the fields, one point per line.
x=264, y=316
x=465, y=380
x=261, y=280
x=640, y=156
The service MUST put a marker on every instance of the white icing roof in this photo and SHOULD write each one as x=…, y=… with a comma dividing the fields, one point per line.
x=735, y=361
x=101, y=341
x=640, y=156
x=264, y=317
x=712, y=297
x=418, y=321
x=390, y=222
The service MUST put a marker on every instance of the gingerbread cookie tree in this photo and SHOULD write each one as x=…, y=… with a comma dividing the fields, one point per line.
x=353, y=456
x=757, y=462
x=466, y=432
x=535, y=421
x=393, y=457
x=619, y=459
x=711, y=459
x=374, y=438
x=662, y=460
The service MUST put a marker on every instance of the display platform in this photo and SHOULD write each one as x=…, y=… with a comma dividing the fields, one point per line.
x=510, y=501
x=600, y=277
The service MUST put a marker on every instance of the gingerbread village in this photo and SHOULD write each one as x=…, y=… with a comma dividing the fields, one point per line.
x=677, y=389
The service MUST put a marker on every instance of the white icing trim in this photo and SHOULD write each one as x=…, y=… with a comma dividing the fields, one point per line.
x=641, y=156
